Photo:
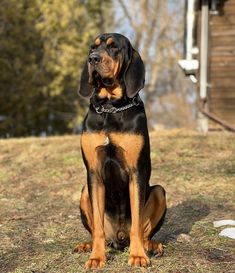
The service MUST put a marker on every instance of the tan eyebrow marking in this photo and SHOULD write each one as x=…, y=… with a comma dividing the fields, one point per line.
x=97, y=41
x=109, y=41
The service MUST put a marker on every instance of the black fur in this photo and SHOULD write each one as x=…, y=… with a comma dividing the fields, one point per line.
x=132, y=75
x=113, y=172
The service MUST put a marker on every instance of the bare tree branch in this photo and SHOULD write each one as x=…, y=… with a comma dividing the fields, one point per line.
x=126, y=12
x=158, y=36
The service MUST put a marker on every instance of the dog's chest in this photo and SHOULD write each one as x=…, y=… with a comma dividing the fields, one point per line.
x=106, y=141
x=130, y=145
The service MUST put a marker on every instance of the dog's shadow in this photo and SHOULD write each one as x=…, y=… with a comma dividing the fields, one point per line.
x=180, y=220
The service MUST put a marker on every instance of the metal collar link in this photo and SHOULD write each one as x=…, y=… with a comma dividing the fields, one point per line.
x=101, y=109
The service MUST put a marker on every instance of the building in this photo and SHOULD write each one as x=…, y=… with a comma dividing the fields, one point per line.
x=209, y=60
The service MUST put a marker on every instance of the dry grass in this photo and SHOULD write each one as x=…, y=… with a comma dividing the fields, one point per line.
x=40, y=188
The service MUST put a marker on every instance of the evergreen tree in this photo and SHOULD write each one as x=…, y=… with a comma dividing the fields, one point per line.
x=43, y=45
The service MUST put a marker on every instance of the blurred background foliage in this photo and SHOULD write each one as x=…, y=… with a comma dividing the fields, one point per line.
x=43, y=46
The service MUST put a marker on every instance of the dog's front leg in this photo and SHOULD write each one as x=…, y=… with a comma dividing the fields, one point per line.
x=97, y=258
x=137, y=253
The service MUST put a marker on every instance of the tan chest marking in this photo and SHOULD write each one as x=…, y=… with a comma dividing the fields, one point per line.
x=131, y=144
x=89, y=143
x=115, y=93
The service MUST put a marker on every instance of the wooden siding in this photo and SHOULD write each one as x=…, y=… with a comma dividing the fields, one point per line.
x=221, y=91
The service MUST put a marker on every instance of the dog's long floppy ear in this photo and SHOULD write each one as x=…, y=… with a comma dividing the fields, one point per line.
x=134, y=76
x=85, y=89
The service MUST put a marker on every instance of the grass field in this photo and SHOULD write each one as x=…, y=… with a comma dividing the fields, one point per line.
x=40, y=183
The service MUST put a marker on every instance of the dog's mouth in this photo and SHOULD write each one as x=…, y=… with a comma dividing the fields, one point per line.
x=99, y=77
x=108, y=82
x=103, y=71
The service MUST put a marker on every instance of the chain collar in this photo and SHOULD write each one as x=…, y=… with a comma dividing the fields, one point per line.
x=112, y=110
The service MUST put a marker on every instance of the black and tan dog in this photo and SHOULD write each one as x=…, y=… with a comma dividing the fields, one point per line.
x=117, y=204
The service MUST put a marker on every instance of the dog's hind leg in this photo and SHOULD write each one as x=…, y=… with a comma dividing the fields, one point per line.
x=86, y=216
x=154, y=213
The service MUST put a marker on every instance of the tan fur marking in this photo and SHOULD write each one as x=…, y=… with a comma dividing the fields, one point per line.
x=131, y=144
x=89, y=143
x=134, y=199
x=117, y=93
x=98, y=192
x=85, y=205
x=97, y=41
x=111, y=93
x=110, y=227
x=97, y=258
x=114, y=66
x=153, y=210
x=153, y=247
x=103, y=93
x=137, y=253
x=109, y=41
x=83, y=247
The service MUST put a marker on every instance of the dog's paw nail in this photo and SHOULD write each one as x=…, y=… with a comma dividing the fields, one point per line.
x=139, y=261
x=95, y=263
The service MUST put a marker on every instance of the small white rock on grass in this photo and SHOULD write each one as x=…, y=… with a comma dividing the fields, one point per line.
x=227, y=232
x=221, y=223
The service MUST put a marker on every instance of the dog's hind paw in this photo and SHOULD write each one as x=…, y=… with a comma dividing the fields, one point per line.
x=153, y=248
x=83, y=247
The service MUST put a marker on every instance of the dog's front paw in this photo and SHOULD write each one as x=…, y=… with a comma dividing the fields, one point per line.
x=94, y=263
x=138, y=260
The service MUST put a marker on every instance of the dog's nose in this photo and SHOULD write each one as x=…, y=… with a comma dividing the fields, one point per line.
x=94, y=58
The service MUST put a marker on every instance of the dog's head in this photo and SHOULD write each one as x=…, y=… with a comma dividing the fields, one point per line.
x=112, y=62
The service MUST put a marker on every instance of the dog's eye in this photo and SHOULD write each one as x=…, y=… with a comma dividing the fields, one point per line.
x=91, y=50
x=113, y=47
x=92, y=47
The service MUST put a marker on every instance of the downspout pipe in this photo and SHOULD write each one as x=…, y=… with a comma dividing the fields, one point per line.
x=190, y=31
x=202, y=117
x=204, y=49
x=189, y=64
